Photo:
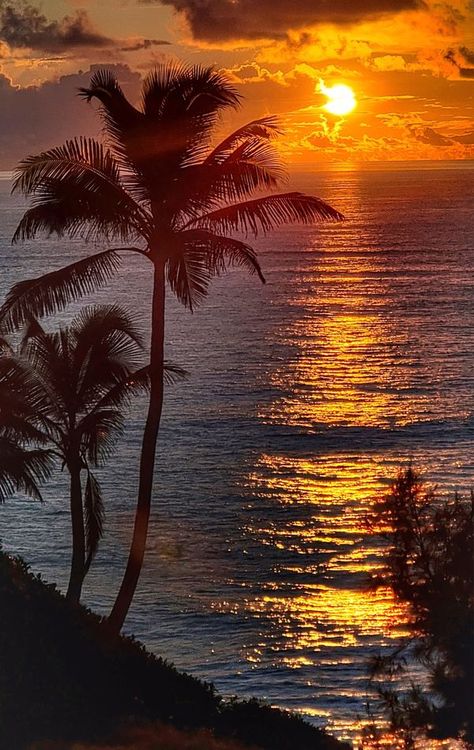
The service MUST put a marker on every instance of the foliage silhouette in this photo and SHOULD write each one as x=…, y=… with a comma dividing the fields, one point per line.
x=162, y=189
x=429, y=565
x=66, y=676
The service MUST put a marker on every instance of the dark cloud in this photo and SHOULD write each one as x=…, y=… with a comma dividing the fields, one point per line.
x=39, y=117
x=143, y=44
x=428, y=135
x=467, y=138
x=467, y=54
x=458, y=58
x=238, y=19
x=24, y=26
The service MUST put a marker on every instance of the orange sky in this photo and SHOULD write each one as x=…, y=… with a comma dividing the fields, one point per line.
x=409, y=62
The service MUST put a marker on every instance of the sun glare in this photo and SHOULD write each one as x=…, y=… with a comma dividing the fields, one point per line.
x=341, y=99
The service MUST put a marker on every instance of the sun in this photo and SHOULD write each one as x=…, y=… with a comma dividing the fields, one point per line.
x=341, y=98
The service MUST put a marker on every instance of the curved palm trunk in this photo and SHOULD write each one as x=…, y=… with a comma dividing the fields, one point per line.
x=78, y=537
x=147, y=460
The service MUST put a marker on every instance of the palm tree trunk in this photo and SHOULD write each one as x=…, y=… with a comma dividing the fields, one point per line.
x=78, y=537
x=147, y=461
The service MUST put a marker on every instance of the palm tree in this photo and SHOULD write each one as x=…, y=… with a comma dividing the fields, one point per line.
x=169, y=196
x=81, y=376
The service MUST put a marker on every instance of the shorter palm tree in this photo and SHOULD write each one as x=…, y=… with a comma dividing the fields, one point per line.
x=80, y=378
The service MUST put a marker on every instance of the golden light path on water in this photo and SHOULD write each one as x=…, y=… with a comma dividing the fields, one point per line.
x=348, y=380
x=313, y=622
x=326, y=617
x=362, y=375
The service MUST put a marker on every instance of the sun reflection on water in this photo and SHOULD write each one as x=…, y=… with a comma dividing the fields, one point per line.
x=354, y=362
x=324, y=617
x=355, y=369
x=310, y=513
x=318, y=614
x=365, y=379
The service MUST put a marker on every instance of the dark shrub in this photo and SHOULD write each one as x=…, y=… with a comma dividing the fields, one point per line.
x=65, y=676
x=429, y=564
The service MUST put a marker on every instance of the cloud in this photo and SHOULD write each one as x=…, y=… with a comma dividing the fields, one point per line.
x=467, y=138
x=25, y=27
x=428, y=135
x=399, y=120
x=458, y=58
x=135, y=46
x=468, y=54
x=221, y=20
x=388, y=62
x=416, y=127
x=254, y=73
x=316, y=46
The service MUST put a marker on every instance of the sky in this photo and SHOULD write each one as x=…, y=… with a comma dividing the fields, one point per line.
x=409, y=63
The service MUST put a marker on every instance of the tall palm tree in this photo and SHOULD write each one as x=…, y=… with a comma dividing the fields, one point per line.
x=81, y=376
x=164, y=191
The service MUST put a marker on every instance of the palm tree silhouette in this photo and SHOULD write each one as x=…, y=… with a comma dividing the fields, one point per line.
x=81, y=377
x=168, y=195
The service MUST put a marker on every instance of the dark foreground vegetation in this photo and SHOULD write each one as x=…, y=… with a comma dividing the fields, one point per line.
x=430, y=567
x=66, y=677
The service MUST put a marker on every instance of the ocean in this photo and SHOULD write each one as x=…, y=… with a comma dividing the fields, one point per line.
x=305, y=396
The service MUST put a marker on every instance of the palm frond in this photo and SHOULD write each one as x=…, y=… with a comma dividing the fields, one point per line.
x=137, y=383
x=22, y=426
x=254, y=165
x=107, y=348
x=161, y=86
x=198, y=90
x=50, y=293
x=50, y=375
x=222, y=252
x=22, y=470
x=174, y=373
x=267, y=213
x=205, y=92
x=63, y=210
x=83, y=371
x=264, y=128
x=120, y=118
x=189, y=275
x=78, y=191
x=5, y=346
x=46, y=356
x=22, y=415
x=94, y=516
x=33, y=329
x=133, y=141
x=99, y=431
x=98, y=322
x=82, y=157
x=121, y=394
